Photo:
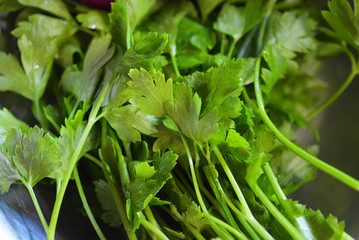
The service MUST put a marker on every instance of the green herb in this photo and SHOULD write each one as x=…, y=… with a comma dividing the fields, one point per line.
x=184, y=112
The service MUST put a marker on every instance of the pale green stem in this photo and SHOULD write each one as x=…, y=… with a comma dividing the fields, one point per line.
x=72, y=162
x=37, y=207
x=86, y=205
x=120, y=206
x=277, y=214
x=232, y=180
x=150, y=227
x=93, y=159
x=332, y=171
x=151, y=218
x=335, y=95
x=221, y=232
x=236, y=233
x=247, y=212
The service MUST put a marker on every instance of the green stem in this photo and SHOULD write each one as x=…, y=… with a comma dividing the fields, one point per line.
x=274, y=183
x=232, y=180
x=346, y=236
x=86, y=205
x=149, y=226
x=231, y=48
x=194, y=177
x=247, y=212
x=276, y=213
x=74, y=109
x=332, y=171
x=213, y=182
x=37, y=207
x=72, y=162
x=40, y=115
x=120, y=206
x=200, y=182
x=226, y=226
x=249, y=101
x=241, y=217
x=129, y=37
x=151, y=218
x=174, y=62
x=93, y=159
x=221, y=232
x=223, y=36
x=335, y=95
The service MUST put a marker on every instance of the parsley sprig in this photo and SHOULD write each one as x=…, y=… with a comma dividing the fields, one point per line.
x=184, y=111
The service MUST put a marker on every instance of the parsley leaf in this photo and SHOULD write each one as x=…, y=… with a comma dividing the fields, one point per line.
x=343, y=20
x=82, y=83
x=153, y=92
x=236, y=21
x=39, y=41
x=128, y=122
x=56, y=7
x=185, y=112
x=32, y=156
x=142, y=190
x=8, y=121
x=94, y=20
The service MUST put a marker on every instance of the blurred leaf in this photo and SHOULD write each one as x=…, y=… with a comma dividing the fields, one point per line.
x=10, y=5
x=94, y=20
x=343, y=20
x=56, y=7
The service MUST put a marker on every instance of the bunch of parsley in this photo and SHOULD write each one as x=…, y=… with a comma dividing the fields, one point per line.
x=184, y=111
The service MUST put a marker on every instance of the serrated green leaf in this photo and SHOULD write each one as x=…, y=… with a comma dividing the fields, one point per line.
x=167, y=21
x=236, y=21
x=129, y=122
x=195, y=217
x=343, y=20
x=146, y=48
x=70, y=135
x=277, y=64
x=152, y=90
x=143, y=190
x=217, y=84
x=185, y=112
x=265, y=140
x=8, y=171
x=292, y=32
x=127, y=14
x=35, y=154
